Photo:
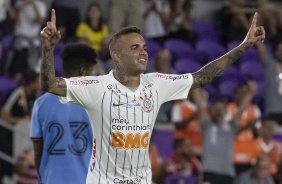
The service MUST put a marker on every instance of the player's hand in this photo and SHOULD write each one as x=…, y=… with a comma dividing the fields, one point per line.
x=255, y=34
x=50, y=35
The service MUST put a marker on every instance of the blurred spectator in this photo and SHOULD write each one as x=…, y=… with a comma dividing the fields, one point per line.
x=153, y=20
x=273, y=79
x=19, y=105
x=251, y=112
x=178, y=21
x=93, y=29
x=219, y=133
x=267, y=145
x=125, y=13
x=235, y=20
x=162, y=64
x=181, y=164
x=270, y=17
x=243, y=155
x=258, y=174
x=7, y=13
x=25, y=168
x=187, y=126
x=26, y=46
x=68, y=17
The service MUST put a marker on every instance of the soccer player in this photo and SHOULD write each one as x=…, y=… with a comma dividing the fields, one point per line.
x=61, y=133
x=123, y=105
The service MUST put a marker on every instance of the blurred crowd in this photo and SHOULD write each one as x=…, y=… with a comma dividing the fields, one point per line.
x=223, y=133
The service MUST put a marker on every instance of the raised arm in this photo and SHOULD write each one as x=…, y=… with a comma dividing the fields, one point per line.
x=201, y=100
x=250, y=91
x=214, y=69
x=48, y=81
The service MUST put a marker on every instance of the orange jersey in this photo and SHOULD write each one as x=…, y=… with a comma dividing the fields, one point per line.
x=183, y=110
x=245, y=152
x=273, y=150
x=251, y=112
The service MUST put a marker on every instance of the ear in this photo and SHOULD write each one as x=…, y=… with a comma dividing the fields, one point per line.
x=115, y=56
x=82, y=71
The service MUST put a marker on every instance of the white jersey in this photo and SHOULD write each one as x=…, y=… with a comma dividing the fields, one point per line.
x=122, y=120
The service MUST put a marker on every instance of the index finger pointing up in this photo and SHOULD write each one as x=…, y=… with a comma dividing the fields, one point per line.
x=53, y=17
x=254, y=21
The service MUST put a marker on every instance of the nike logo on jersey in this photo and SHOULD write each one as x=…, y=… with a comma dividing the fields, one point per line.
x=119, y=104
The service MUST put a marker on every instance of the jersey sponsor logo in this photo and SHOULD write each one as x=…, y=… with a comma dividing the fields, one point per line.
x=136, y=180
x=170, y=77
x=121, y=140
x=124, y=125
x=129, y=104
x=147, y=102
x=83, y=82
x=121, y=121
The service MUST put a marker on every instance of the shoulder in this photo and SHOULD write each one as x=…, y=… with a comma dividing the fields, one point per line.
x=46, y=97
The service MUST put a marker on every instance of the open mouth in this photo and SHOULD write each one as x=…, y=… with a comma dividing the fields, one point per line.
x=142, y=61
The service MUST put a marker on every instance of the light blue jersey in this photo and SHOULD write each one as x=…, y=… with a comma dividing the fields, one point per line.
x=67, y=137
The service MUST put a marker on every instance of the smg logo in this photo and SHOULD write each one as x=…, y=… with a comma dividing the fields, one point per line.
x=120, y=140
x=83, y=82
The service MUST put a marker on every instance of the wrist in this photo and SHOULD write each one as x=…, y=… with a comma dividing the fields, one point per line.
x=244, y=46
x=48, y=48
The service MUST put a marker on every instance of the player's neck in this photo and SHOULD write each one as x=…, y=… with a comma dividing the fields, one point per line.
x=127, y=80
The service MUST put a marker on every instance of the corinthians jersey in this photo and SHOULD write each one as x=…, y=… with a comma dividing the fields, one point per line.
x=122, y=120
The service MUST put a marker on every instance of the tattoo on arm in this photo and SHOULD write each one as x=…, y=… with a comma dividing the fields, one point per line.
x=213, y=70
x=47, y=75
x=60, y=83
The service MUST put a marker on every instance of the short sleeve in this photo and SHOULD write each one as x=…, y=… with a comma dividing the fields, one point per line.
x=35, y=127
x=173, y=87
x=82, y=90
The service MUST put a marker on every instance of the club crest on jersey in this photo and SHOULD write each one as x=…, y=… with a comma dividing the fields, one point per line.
x=147, y=102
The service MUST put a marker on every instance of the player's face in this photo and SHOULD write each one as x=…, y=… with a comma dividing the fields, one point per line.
x=218, y=112
x=133, y=54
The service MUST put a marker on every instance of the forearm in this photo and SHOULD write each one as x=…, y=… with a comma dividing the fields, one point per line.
x=7, y=117
x=214, y=69
x=245, y=102
x=37, y=160
x=38, y=149
x=47, y=75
